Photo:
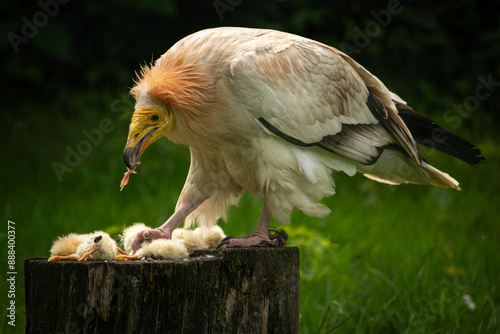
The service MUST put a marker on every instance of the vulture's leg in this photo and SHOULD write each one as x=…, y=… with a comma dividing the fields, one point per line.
x=72, y=257
x=86, y=255
x=259, y=237
x=165, y=231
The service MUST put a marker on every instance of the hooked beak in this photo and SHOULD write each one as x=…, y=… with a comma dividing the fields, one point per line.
x=136, y=144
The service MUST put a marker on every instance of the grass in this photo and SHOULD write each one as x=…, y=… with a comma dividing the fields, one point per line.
x=387, y=260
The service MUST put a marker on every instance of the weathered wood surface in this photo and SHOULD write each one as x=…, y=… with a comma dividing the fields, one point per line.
x=226, y=291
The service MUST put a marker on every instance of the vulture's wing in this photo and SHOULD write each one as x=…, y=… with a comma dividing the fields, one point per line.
x=312, y=95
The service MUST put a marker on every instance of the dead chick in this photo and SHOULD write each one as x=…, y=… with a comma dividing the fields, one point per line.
x=200, y=238
x=163, y=249
x=191, y=240
x=66, y=246
x=129, y=234
x=155, y=249
x=212, y=236
x=82, y=247
x=183, y=242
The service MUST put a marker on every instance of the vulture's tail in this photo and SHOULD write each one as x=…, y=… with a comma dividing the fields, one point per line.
x=428, y=133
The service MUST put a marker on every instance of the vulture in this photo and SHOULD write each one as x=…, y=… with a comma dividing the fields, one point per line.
x=276, y=114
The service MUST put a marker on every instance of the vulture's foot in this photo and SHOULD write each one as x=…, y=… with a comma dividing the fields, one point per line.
x=252, y=240
x=276, y=238
x=149, y=235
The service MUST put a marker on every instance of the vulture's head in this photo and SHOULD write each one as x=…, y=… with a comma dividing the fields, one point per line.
x=151, y=120
x=172, y=99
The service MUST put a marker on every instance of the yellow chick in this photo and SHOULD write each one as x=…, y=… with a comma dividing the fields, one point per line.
x=82, y=247
x=200, y=238
x=66, y=245
x=212, y=236
x=191, y=240
x=163, y=249
x=155, y=249
x=183, y=242
x=129, y=234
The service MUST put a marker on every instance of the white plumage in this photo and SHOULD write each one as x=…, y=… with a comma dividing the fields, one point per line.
x=276, y=114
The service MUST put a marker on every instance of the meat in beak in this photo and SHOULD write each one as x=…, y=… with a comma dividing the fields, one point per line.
x=135, y=147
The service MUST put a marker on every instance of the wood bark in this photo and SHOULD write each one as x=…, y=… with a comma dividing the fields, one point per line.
x=252, y=290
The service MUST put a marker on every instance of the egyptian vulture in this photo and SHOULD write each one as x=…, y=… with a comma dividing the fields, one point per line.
x=276, y=114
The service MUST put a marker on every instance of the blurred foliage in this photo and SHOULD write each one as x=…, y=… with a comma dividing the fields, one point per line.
x=426, y=50
x=359, y=263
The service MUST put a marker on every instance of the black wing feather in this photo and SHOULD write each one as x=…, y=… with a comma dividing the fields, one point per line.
x=426, y=132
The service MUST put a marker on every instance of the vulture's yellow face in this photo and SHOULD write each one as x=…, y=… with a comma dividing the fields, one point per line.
x=147, y=125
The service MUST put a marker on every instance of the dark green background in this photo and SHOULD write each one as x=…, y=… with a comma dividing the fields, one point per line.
x=427, y=51
x=76, y=70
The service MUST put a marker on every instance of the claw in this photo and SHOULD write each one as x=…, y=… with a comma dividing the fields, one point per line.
x=224, y=241
x=252, y=240
x=265, y=243
x=146, y=235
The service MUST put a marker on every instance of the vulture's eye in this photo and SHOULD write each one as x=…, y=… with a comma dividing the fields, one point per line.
x=154, y=117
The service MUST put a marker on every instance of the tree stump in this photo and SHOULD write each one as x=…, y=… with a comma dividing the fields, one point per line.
x=218, y=291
